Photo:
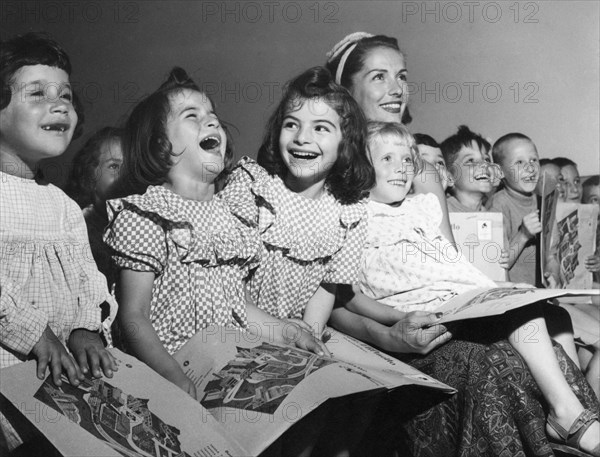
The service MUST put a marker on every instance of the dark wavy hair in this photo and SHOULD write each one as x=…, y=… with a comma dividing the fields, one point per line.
x=147, y=150
x=82, y=179
x=356, y=61
x=352, y=175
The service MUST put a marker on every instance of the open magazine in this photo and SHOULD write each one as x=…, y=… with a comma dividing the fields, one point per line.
x=250, y=391
x=498, y=300
x=569, y=236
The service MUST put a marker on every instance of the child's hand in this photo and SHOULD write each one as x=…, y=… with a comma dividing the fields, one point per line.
x=550, y=281
x=304, y=339
x=90, y=353
x=592, y=263
x=178, y=377
x=50, y=351
x=531, y=224
x=503, y=261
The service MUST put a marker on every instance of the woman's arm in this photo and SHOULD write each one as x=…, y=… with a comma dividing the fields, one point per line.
x=417, y=332
x=428, y=181
x=134, y=293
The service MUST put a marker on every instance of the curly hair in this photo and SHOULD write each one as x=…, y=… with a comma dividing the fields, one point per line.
x=351, y=175
x=147, y=150
x=82, y=179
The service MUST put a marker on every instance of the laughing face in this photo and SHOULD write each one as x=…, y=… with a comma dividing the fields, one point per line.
x=196, y=135
x=471, y=170
x=571, y=183
x=521, y=166
x=308, y=143
x=380, y=87
x=40, y=120
x=394, y=169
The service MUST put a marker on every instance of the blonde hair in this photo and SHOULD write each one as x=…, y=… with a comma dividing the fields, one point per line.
x=378, y=129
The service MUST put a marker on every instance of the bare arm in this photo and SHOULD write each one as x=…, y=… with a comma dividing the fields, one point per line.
x=319, y=307
x=428, y=181
x=134, y=292
x=366, y=306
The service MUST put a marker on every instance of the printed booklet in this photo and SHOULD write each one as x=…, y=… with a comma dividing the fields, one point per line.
x=249, y=392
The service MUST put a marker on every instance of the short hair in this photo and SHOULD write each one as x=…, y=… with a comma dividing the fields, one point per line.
x=377, y=129
x=547, y=162
x=592, y=181
x=463, y=138
x=28, y=49
x=356, y=60
x=147, y=150
x=426, y=140
x=499, y=148
x=82, y=179
x=564, y=162
x=352, y=175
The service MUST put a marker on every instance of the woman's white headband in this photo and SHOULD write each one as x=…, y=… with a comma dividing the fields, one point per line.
x=347, y=45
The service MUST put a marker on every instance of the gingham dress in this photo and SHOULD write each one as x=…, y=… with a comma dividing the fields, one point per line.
x=305, y=242
x=200, y=255
x=407, y=263
x=47, y=273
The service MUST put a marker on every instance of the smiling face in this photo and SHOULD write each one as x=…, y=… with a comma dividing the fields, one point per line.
x=521, y=166
x=197, y=138
x=109, y=166
x=380, y=87
x=571, y=183
x=308, y=143
x=40, y=120
x=471, y=170
x=435, y=157
x=394, y=168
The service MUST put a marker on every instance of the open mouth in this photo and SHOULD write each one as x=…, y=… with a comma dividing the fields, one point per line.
x=483, y=177
x=531, y=179
x=394, y=108
x=58, y=127
x=211, y=143
x=303, y=155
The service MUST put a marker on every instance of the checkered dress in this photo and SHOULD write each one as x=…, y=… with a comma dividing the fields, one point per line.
x=305, y=242
x=47, y=274
x=200, y=255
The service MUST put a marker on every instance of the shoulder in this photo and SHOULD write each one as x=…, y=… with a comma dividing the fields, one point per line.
x=500, y=200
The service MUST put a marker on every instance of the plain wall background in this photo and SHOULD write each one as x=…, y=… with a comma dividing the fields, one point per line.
x=498, y=67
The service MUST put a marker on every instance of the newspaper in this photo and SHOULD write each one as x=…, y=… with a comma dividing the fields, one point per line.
x=480, y=238
x=250, y=391
x=498, y=300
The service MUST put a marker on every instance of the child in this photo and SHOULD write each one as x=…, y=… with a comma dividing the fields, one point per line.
x=409, y=266
x=305, y=202
x=550, y=173
x=470, y=170
x=95, y=171
x=51, y=291
x=518, y=158
x=430, y=151
x=570, y=180
x=183, y=257
x=591, y=190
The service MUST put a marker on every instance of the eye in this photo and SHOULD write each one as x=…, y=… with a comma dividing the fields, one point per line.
x=289, y=125
x=386, y=158
x=322, y=128
x=378, y=77
x=519, y=162
x=441, y=163
x=402, y=77
x=114, y=166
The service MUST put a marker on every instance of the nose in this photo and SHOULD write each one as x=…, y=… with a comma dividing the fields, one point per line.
x=302, y=135
x=397, y=87
x=212, y=121
x=59, y=106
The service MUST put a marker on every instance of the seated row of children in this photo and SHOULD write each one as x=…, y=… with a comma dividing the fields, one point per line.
x=269, y=249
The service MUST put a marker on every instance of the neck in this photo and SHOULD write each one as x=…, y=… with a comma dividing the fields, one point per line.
x=471, y=200
x=518, y=193
x=191, y=189
x=312, y=190
x=13, y=164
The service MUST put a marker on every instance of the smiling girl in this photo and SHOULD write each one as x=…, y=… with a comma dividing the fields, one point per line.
x=305, y=202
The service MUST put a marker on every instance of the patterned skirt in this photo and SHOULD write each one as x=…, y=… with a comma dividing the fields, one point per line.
x=498, y=410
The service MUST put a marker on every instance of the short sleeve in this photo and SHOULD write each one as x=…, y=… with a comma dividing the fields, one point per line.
x=239, y=196
x=138, y=240
x=344, y=267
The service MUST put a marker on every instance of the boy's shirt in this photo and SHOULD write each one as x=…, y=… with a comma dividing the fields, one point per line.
x=514, y=207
